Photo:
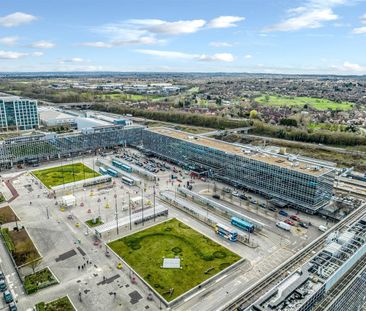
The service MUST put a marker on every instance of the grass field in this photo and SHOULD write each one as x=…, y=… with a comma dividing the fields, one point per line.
x=145, y=250
x=64, y=174
x=315, y=103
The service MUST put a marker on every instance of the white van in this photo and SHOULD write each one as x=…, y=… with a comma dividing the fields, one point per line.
x=323, y=228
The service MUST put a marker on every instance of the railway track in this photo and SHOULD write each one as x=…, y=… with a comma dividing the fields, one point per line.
x=254, y=292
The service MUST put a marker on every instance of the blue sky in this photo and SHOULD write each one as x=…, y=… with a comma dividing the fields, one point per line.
x=307, y=36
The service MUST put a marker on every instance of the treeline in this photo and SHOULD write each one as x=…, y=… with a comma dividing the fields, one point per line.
x=318, y=137
x=175, y=117
x=258, y=128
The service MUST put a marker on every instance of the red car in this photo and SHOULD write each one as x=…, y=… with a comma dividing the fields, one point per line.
x=289, y=222
x=296, y=218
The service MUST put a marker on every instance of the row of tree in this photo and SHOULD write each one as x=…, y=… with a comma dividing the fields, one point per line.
x=258, y=127
x=176, y=117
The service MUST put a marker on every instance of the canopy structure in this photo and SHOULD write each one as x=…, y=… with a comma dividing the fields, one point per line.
x=68, y=200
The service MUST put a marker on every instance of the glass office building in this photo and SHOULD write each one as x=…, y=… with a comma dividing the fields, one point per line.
x=18, y=114
x=305, y=185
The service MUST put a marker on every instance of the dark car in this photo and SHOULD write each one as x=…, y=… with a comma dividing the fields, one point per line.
x=8, y=297
x=216, y=196
x=243, y=197
x=272, y=209
x=2, y=276
x=12, y=306
x=303, y=224
x=283, y=213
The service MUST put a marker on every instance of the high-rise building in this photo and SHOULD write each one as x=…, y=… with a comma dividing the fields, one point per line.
x=18, y=113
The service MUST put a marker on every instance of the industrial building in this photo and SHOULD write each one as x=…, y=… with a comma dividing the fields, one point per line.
x=18, y=113
x=305, y=184
x=309, y=287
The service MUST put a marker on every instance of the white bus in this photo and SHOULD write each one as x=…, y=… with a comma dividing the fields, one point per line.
x=128, y=181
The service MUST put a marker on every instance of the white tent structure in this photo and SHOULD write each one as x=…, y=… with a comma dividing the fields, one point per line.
x=68, y=200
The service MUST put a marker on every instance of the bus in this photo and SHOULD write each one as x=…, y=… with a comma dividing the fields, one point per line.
x=122, y=166
x=226, y=232
x=128, y=181
x=111, y=172
x=242, y=224
x=103, y=171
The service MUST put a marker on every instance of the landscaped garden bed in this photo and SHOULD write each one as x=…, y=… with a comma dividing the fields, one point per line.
x=7, y=215
x=60, y=304
x=38, y=280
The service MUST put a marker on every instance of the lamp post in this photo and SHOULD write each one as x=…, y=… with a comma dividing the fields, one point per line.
x=115, y=204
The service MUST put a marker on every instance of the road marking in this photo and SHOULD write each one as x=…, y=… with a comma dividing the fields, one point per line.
x=218, y=280
x=195, y=294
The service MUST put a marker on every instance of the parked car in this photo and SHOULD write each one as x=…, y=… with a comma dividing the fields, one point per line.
x=289, y=222
x=216, y=196
x=227, y=190
x=283, y=213
x=8, y=297
x=3, y=286
x=295, y=217
x=2, y=276
x=243, y=197
x=303, y=224
x=12, y=306
x=235, y=193
x=323, y=228
x=272, y=209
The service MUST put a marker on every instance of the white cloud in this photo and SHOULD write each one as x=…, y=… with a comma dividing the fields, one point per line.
x=349, y=67
x=9, y=41
x=11, y=55
x=173, y=28
x=72, y=60
x=43, y=44
x=223, y=57
x=167, y=54
x=311, y=15
x=16, y=19
x=37, y=54
x=97, y=44
x=361, y=30
x=225, y=21
x=248, y=56
x=220, y=44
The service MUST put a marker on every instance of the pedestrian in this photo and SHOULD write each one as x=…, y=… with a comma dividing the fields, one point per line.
x=78, y=267
x=82, y=267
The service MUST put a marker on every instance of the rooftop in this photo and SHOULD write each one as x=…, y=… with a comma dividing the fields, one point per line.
x=291, y=162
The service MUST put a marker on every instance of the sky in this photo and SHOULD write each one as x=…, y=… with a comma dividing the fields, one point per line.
x=259, y=36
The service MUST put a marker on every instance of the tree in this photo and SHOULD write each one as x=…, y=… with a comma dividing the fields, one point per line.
x=253, y=114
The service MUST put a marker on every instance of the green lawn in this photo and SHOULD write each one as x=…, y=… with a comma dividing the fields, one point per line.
x=144, y=251
x=60, y=304
x=98, y=222
x=64, y=174
x=316, y=103
x=38, y=280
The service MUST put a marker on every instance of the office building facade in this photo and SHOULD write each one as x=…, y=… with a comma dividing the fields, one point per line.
x=18, y=114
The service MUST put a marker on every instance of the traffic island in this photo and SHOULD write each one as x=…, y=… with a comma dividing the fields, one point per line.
x=200, y=258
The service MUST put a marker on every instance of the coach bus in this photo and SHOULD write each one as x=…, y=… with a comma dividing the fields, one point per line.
x=122, y=166
x=111, y=172
x=242, y=224
x=128, y=181
x=103, y=171
x=226, y=232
